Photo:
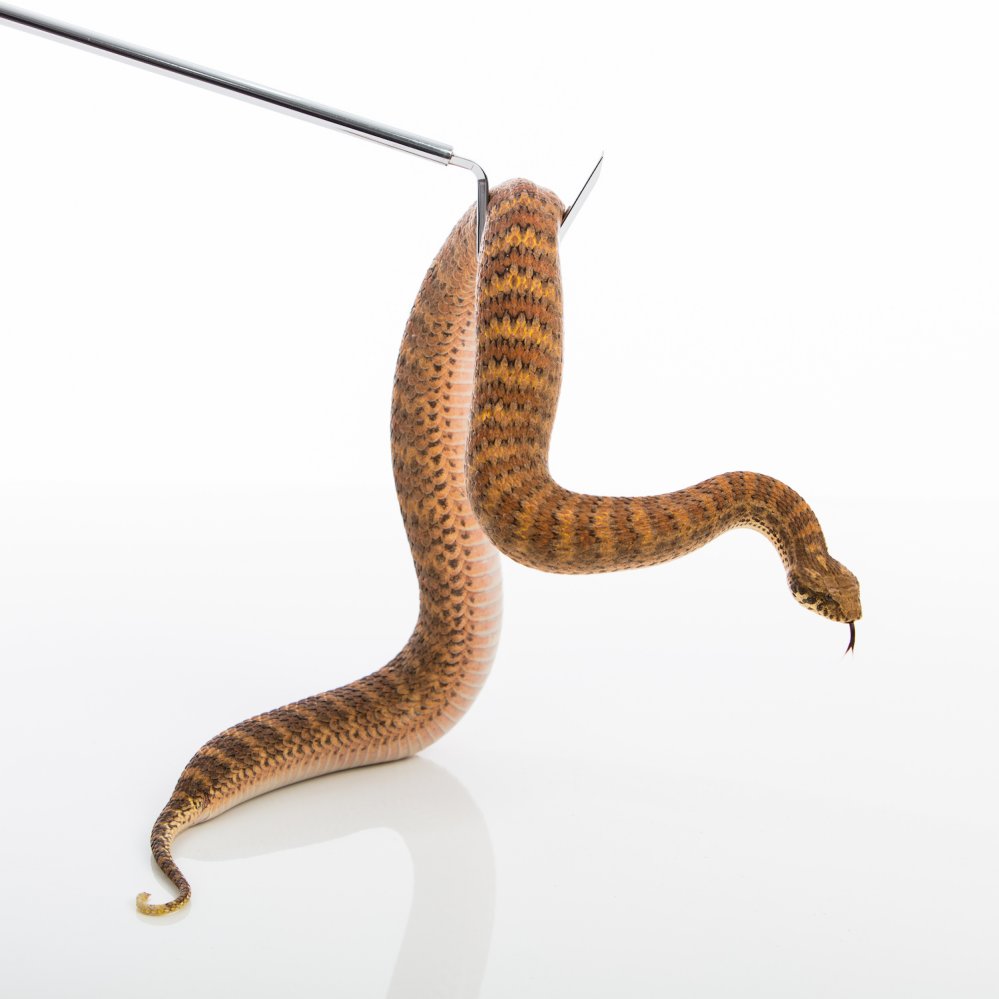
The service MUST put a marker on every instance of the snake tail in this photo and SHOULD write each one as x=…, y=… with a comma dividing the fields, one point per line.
x=538, y=522
x=418, y=696
x=180, y=812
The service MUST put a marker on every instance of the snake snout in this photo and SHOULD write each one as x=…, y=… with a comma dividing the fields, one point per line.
x=846, y=593
x=831, y=591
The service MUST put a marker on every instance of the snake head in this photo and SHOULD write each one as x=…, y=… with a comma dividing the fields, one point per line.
x=827, y=588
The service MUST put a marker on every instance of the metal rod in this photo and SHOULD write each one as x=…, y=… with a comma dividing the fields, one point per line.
x=343, y=121
x=356, y=125
x=365, y=128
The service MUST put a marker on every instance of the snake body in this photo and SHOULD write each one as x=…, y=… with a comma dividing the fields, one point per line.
x=531, y=518
x=473, y=405
x=425, y=689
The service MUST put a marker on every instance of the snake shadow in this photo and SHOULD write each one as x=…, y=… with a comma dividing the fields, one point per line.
x=446, y=942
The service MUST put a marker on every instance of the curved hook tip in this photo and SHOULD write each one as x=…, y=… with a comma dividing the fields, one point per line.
x=573, y=209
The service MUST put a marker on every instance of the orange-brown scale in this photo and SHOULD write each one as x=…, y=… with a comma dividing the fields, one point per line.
x=425, y=689
x=536, y=521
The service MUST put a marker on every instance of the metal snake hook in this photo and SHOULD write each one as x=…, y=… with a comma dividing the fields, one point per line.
x=365, y=128
x=573, y=210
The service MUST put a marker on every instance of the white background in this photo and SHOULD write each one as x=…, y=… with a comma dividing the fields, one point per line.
x=673, y=783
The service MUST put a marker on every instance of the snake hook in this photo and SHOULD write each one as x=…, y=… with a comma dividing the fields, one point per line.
x=323, y=114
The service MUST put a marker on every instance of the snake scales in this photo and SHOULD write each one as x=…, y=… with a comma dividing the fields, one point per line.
x=473, y=405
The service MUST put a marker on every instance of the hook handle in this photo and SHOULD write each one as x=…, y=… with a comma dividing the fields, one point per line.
x=344, y=121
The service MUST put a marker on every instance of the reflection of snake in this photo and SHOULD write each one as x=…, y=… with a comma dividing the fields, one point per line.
x=421, y=693
x=445, y=946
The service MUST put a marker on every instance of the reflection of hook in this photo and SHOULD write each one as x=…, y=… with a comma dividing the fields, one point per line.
x=446, y=943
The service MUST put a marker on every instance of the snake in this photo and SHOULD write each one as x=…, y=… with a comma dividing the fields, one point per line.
x=473, y=404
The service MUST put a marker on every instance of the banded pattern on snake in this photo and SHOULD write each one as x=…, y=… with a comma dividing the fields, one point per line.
x=534, y=520
x=473, y=405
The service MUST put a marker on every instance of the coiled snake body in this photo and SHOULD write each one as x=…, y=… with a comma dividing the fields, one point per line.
x=476, y=388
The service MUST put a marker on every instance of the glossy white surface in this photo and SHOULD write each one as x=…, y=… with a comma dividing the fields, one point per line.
x=654, y=795
x=673, y=784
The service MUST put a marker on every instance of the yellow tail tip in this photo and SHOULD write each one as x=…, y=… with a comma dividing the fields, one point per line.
x=143, y=905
